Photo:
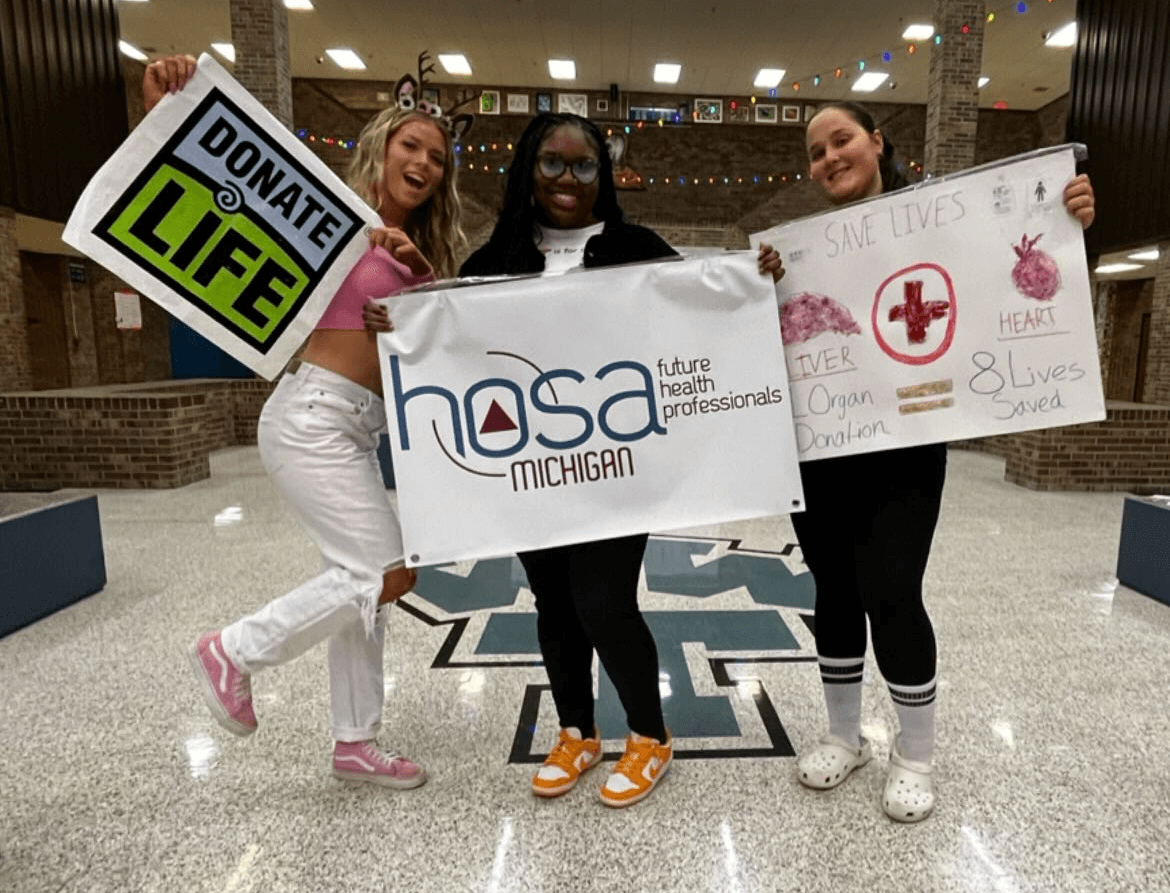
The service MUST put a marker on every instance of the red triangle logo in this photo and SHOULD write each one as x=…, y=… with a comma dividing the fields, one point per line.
x=497, y=420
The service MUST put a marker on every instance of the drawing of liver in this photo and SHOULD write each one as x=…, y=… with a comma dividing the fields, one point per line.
x=807, y=315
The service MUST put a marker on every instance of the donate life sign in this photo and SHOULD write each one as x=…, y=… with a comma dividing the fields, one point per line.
x=541, y=411
x=216, y=212
x=958, y=308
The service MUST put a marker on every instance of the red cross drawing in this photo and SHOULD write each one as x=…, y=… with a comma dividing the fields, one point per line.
x=916, y=313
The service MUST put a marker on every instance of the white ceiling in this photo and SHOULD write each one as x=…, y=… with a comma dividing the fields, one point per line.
x=721, y=44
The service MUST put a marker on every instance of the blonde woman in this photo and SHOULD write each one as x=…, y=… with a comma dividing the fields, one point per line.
x=318, y=436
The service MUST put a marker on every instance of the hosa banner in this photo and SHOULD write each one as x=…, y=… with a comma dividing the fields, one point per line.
x=547, y=410
x=215, y=211
x=958, y=308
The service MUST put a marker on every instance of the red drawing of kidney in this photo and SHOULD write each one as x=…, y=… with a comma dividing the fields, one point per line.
x=1035, y=274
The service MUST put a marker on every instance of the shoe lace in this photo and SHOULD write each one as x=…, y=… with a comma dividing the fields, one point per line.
x=564, y=755
x=637, y=755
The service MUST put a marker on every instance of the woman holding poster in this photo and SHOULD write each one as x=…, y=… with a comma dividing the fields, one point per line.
x=867, y=530
x=318, y=436
x=560, y=211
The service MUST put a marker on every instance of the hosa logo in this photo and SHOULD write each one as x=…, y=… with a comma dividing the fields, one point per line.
x=571, y=427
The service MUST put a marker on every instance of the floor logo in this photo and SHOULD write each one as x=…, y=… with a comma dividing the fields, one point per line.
x=697, y=647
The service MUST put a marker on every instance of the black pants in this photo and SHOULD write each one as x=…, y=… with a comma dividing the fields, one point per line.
x=866, y=539
x=586, y=600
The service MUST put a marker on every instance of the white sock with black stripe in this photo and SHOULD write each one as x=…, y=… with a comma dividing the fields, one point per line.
x=915, y=707
x=841, y=679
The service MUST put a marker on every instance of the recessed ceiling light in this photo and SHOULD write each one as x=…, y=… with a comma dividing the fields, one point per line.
x=769, y=77
x=984, y=80
x=562, y=69
x=1062, y=37
x=226, y=50
x=128, y=49
x=918, y=32
x=298, y=4
x=1150, y=254
x=870, y=81
x=1118, y=268
x=346, y=58
x=455, y=63
x=667, y=73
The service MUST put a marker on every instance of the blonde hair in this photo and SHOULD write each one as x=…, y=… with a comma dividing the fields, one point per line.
x=433, y=226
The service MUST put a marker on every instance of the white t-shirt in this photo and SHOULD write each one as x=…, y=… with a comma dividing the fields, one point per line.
x=564, y=249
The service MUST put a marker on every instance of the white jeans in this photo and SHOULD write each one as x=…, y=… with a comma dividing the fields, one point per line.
x=318, y=437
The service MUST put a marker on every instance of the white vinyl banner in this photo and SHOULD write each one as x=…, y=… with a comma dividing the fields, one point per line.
x=215, y=211
x=546, y=410
x=958, y=308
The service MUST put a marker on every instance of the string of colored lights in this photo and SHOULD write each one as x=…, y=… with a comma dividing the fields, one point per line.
x=1020, y=7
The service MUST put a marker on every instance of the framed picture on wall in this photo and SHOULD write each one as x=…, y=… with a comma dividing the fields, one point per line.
x=709, y=111
x=790, y=114
x=431, y=95
x=741, y=114
x=518, y=103
x=602, y=105
x=573, y=104
x=765, y=113
x=544, y=102
x=809, y=111
x=489, y=102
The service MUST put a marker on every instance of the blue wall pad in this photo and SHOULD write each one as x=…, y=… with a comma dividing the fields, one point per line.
x=1143, y=556
x=50, y=555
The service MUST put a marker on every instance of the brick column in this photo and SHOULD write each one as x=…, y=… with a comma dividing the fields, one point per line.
x=1157, y=388
x=260, y=36
x=15, y=362
x=952, y=108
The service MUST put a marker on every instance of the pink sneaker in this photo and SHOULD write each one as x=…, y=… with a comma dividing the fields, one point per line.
x=228, y=691
x=362, y=761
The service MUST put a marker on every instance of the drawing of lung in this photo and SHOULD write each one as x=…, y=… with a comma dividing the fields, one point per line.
x=807, y=315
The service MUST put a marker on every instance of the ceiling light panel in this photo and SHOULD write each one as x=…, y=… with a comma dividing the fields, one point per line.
x=667, y=73
x=346, y=58
x=562, y=69
x=769, y=78
x=455, y=63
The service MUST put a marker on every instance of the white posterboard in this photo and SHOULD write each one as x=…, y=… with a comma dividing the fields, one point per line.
x=958, y=308
x=541, y=411
x=215, y=211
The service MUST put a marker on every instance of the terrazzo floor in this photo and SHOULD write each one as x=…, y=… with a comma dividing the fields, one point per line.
x=1052, y=727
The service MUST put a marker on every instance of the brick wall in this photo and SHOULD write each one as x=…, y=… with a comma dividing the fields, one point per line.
x=15, y=361
x=952, y=112
x=1158, y=368
x=260, y=37
x=145, y=436
x=1129, y=451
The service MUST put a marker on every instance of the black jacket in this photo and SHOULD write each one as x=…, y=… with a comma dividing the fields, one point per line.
x=617, y=243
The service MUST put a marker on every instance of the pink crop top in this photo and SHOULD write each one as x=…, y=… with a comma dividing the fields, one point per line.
x=376, y=275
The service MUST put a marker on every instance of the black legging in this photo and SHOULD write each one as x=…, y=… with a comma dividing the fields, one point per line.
x=587, y=599
x=866, y=538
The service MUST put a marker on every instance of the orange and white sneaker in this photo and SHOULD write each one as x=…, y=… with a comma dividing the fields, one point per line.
x=638, y=771
x=566, y=763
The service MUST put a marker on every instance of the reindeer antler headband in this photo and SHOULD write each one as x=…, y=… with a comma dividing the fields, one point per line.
x=409, y=95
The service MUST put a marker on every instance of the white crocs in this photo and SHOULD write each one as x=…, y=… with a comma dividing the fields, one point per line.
x=830, y=762
x=909, y=795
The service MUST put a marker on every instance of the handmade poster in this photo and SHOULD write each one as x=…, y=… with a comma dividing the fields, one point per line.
x=958, y=308
x=215, y=211
x=538, y=411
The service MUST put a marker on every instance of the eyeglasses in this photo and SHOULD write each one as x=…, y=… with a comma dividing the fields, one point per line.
x=584, y=170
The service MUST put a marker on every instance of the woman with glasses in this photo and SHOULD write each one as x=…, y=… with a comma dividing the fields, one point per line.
x=560, y=212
